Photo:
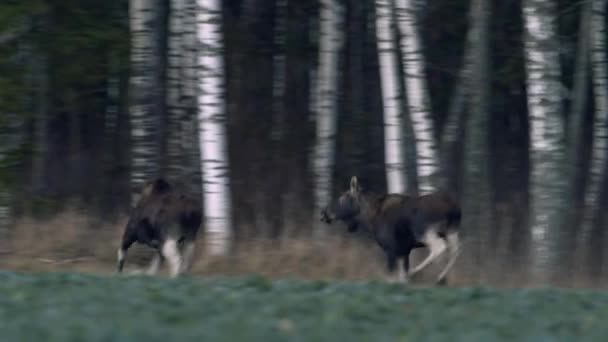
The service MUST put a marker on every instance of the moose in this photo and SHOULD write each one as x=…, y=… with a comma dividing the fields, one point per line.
x=166, y=220
x=400, y=223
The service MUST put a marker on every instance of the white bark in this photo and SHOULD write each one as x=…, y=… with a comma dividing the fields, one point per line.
x=143, y=16
x=427, y=160
x=393, y=128
x=326, y=98
x=547, y=133
x=212, y=118
x=599, y=151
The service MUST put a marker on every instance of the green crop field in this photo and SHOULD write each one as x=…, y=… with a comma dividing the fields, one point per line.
x=80, y=307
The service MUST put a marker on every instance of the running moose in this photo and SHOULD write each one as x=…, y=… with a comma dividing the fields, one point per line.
x=401, y=223
x=167, y=220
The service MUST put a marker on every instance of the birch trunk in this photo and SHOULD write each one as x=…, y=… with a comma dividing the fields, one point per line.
x=144, y=85
x=393, y=126
x=212, y=118
x=591, y=232
x=326, y=98
x=547, y=135
x=416, y=88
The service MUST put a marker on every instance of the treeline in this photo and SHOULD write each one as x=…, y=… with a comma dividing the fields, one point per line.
x=304, y=107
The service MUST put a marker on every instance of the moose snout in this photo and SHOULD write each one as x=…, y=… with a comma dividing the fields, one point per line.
x=325, y=216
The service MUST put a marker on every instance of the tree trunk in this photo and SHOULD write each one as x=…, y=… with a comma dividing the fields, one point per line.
x=453, y=127
x=41, y=123
x=145, y=85
x=592, y=236
x=416, y=88
x=393, y=126
x=11, y=140
x=477, y=184
x=212, y=121
x=576, y=129
x=326, y=99
x=276, y=208
x=175, y=107
x=190, y=147
x=547, y=135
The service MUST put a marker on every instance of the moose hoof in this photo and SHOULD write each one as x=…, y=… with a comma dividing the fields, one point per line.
x=442, y=281
x=413, y=275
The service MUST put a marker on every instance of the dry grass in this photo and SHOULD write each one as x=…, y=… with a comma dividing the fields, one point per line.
x=73, y=241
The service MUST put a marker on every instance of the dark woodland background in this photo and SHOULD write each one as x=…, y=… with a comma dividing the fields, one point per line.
x=66, y=134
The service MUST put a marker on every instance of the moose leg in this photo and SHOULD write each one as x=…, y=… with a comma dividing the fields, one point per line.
x=391, y=266
x=171, y=253
x=400, y=271
x=188, y=254
x=404, y=269
x=157, y=260
x=454, y=251
x=436, y=246
x=127, y=240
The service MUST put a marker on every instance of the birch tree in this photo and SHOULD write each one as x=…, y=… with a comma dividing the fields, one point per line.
x=212, y=121
x=416, y=88
x=393, y=127
x=325, y=99
x=593, y=232
x=547, y=135
x=144, y=117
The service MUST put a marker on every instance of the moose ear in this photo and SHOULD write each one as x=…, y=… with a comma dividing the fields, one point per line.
x=354, y=185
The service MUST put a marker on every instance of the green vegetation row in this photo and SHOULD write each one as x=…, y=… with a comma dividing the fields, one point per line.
x=78, y=307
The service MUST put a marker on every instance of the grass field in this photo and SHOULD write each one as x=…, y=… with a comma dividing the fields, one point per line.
x=80, y=307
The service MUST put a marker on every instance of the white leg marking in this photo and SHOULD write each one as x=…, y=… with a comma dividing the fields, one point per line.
x=402, y=275
x=154, y=265
x=121, y=255
x=399, y=269
x=436, y=246
x=171, y=253
x=454, y=250
x=188, y=254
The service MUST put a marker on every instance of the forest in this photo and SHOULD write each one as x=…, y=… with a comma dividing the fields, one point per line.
x=265, y=109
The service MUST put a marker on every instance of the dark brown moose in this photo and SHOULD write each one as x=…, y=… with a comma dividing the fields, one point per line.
x=400, y=223
x=168, y=221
